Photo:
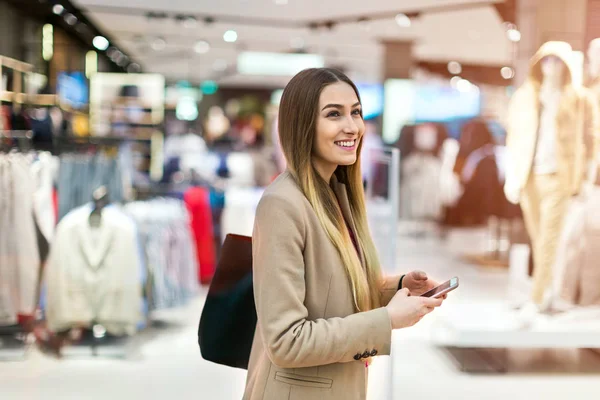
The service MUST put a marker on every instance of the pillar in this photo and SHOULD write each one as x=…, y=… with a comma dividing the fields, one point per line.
x=540, y=21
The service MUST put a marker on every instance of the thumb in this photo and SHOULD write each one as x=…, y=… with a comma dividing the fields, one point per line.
x=419, y=275
x=432, y=302
x=403, y=292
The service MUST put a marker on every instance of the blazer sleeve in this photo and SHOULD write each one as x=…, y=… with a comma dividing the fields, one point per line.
x=389, y=288
x=289, y=338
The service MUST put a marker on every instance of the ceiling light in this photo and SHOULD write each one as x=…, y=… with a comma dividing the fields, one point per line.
x=101, y=43
x=70, y=19
x=190, y=22
x=58, y=9
x=110, y=52
x=116, y=55
x=513, y=35
x=281, y=2
x=454, y=67
x=230, y=36
x=220, y=65
x=403, y=20
x=134, y=68
x=463, y=85
x=202, y=47
x=507, y=73
x=123, y=60
x=454, y=81
x=158, y=44
x=297, y=43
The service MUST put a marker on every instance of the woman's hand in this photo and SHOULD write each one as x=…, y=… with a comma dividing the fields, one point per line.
x=418, y=283
x=406, y=310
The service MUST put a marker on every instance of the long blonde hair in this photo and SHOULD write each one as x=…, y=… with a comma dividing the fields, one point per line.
x=297, y=129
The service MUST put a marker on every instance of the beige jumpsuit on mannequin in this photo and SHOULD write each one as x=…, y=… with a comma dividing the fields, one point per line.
x=547, y=129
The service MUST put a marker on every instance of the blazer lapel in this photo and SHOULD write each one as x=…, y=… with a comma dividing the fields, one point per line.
x=342, y=196
x=95, y=242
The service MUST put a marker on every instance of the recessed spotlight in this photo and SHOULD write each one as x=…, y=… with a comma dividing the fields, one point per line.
x=123, y=61
x=513, y=35
x=190, y=22
x=158, y=44
x=463, y=85
x=403, y=20
x=58, y=9
x=454, y=67
x=230, y=36
x=134, y=68
x=70, y=19
x=116, y=56
x=101, y=43
x=202, y=47
x=454, y=81
x=220, y=65
x=507, y=73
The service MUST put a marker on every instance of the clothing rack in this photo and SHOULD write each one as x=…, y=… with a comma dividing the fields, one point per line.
x=13, y=342
x=16, y=139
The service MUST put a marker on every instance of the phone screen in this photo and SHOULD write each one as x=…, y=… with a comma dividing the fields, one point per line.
x=443, y=288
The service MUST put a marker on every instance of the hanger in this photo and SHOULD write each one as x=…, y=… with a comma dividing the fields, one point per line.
x=100, y=200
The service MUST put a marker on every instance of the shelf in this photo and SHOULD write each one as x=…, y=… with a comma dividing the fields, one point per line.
x=15, y=64
x=34, y=99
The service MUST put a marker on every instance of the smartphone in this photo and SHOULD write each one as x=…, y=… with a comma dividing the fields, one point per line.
x=442, y=289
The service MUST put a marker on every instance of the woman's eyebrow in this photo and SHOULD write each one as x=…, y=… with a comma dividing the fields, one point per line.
x=339, y=105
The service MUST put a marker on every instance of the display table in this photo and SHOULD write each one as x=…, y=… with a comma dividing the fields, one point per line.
x=480, y=337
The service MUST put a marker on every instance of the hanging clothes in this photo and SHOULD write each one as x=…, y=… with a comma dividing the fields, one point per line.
x=168, y=249
x=420, y=194
x=81, y=174
x=197, y=200
x=19, y=253
x=94, y=274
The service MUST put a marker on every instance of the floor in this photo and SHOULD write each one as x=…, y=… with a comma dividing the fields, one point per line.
x=166, y=361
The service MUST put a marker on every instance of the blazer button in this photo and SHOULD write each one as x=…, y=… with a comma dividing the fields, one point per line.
x=366, y=354
x=373, y=353
x=358, y=356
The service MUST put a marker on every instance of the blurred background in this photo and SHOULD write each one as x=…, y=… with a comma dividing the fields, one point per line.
x=135, y=135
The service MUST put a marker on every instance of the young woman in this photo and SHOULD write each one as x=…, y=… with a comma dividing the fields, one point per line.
x=323, y=307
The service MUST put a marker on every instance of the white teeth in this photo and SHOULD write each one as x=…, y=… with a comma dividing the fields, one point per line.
x=347, y=143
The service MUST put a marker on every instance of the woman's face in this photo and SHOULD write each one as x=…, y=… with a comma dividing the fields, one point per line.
x=339, y=129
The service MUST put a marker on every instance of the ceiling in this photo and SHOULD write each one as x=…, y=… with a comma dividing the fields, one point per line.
x=468, y=31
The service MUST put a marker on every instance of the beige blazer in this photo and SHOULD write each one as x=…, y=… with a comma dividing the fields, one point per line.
x=309, y=343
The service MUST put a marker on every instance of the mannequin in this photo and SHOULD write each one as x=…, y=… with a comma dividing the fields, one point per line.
x=549, y=121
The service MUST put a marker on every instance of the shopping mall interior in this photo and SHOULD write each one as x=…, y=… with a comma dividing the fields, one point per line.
x=138, y=138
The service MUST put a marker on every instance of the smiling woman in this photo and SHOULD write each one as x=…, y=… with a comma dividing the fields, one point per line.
x=324, y=309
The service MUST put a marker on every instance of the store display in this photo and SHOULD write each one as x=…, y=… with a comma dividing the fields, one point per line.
x=169, y=252
x=94, y=273
x=549, y=121
x=81, y=174
x=197, y=201
x=19, y=251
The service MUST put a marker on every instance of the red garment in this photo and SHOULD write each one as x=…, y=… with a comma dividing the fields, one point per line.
x=197, y=201
x=55, y=203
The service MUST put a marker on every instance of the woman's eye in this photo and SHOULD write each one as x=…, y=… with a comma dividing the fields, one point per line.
x=333, y=114
x=357, y=112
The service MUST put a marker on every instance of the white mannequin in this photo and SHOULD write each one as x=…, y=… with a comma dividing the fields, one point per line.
x=594, y=59
x=552, y=70
x=549, y=96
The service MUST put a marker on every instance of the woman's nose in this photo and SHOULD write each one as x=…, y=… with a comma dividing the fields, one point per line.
x=350, y=126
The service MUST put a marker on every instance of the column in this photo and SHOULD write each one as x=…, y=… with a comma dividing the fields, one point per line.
x=544, y=20
x=397, y=59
